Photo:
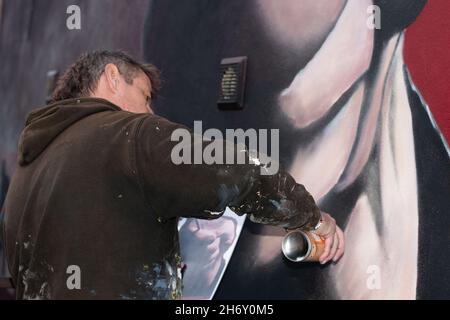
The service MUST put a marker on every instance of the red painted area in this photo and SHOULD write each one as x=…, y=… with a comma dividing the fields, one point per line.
x=427, y=54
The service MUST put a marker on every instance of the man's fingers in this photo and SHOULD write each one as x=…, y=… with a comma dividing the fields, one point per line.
x=329, y=226
x=341, y=247
x=332, y=228
x=328, y=244
x=334, y=248
x=334, y=239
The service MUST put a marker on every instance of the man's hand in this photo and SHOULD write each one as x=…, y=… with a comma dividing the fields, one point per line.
x=334, y=239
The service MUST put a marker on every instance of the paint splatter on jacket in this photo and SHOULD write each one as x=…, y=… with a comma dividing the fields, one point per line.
x=93, y=206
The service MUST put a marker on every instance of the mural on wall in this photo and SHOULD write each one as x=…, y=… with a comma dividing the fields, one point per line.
x=354, y=130
x=382, y=227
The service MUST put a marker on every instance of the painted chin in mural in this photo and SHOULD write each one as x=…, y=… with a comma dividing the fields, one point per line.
x=369, y=138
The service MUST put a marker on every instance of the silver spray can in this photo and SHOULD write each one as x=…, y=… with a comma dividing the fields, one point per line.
x=303, y=246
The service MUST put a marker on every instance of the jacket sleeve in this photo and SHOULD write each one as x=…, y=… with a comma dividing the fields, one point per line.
x=205, y=190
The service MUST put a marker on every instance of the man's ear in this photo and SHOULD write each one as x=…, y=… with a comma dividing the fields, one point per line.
x=112, y=77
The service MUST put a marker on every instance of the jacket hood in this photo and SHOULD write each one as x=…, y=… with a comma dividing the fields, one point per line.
x=45, y=124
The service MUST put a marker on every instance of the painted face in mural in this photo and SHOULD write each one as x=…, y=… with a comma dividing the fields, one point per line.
x=209, y=239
